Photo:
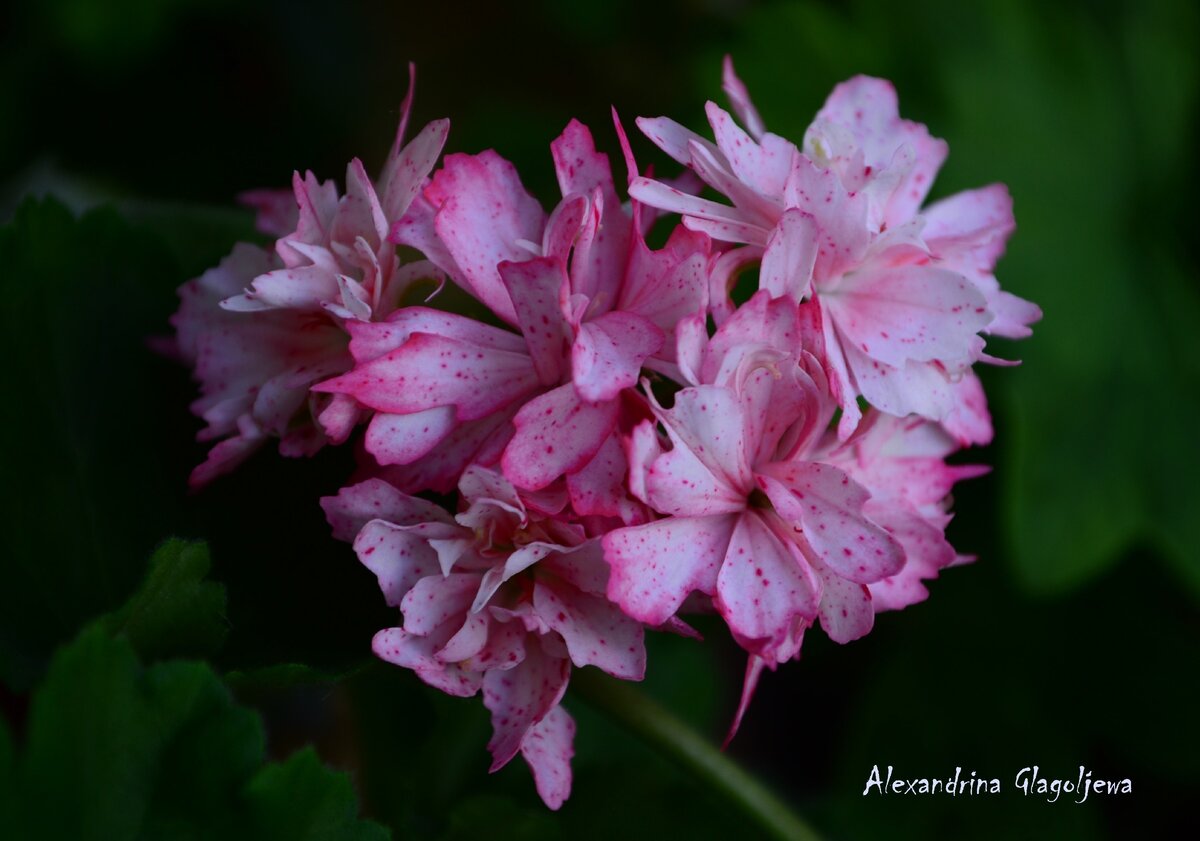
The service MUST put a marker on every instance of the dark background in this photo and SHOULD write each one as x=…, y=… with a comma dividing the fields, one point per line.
x=1072, y=641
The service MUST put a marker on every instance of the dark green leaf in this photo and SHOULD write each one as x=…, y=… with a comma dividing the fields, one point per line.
x=302, y=800
x=87, y=442
x=116, y=750
x=176, y=612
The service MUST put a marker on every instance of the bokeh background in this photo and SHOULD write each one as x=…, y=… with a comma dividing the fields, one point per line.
x=1073, y=640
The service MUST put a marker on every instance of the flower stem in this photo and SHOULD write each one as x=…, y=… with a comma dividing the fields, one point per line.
x=658, y=727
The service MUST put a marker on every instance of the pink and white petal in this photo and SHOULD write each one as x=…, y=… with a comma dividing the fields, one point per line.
x=595, y=630
x=430, y=371
x=969, y=421
x=556, y=433
x=468, y=641
x=418, y=229
x=842, y=217
x=599, y=487
x=961, y=225
x=402, y=439
x=483, y=212
x=714, y=170
x=754, y=667
x=869, y=110
x=608, y=353
x=921, y=388
x=406, y=175
x=600, y=261
x=479, y=441
x=655, y=566
x=437, y=600
x=641, y=450
x=827, y=505
x=355, y=506
x=304, y=287
x=926, y=551
x=739, y=97
x=671, y=137
x=536, y=287
x=764, y=585
x=517, y=562
x=582, y=566
x=902, y=313
x=1013, y=314
x=370, y=340
x=728, y=230
x=548, y=748
x=395, y=645
x=847, y=612
x=400, y=556
x=787, y=264
x=504, y=649
x=763, y=168
x=520, y=697
x=359, y=213
x=664, y=197
x=339, y=416
x=710, y=457
x=667, y=285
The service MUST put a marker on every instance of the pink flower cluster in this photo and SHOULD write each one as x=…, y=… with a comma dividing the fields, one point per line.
x=628, y=442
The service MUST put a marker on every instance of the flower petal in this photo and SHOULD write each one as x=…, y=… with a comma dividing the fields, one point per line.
x=764, y=585
x=519, y=698
x=828, y=506
x=655, y=566
x=608, y=354
x=483, y=211
x=557, y=433
x=548, y=748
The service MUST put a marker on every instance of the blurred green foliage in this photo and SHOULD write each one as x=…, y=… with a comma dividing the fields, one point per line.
x=1069, y=642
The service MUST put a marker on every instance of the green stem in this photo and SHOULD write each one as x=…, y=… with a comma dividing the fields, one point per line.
x=657, y=726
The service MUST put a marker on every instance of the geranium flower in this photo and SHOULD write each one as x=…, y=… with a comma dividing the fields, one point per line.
x=902, y=295
x=261, y=329
x=503, y=597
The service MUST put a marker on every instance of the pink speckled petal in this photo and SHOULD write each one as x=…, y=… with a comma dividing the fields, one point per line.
x=519, y=698
x=375, y=499
x=599, y=262
x=739, y=97
x=608, y=354
x=919, y=313
x=429, y=371
x=828, y=506
x=548, y=748
x=671, y=137
x=406, y=176
x=400, y=556
x=536, y=286
x=706, y=472
x=787, y=264
x=597, y=633
x=397, y=646
x=436, y=600
x=557, y=433
x=359, y=213
x=655, y=566
x=370, y=340
x=483, y=211
x=402, y=439
x=846, y=610
x=764, y=166
x=599, y=488
x=764, y=584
